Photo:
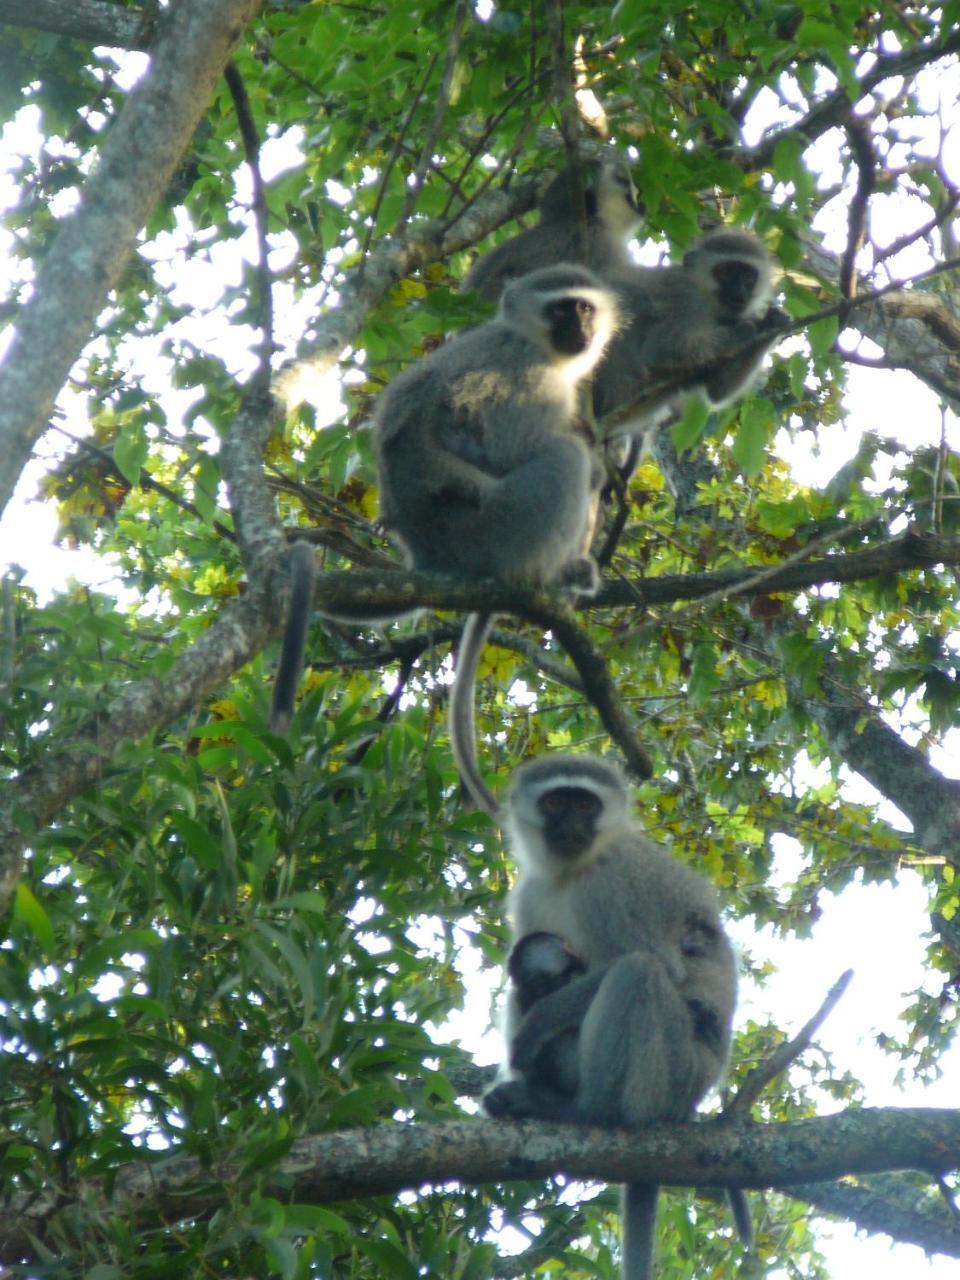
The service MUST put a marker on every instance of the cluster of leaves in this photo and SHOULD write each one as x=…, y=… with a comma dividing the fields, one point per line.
x=234, y=941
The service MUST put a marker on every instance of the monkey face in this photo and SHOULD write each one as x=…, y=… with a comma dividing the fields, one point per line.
x=569, y=817
x=736, y=283
x=570, y=322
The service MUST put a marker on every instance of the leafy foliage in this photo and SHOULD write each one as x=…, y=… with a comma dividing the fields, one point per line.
x=234, y=940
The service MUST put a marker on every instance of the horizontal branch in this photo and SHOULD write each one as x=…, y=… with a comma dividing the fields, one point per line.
x=393, y=1158
x=393, y=592
x=95, y=21
x=892, y=1206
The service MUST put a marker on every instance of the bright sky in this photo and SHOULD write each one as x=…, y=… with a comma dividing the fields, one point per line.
x=877, y=930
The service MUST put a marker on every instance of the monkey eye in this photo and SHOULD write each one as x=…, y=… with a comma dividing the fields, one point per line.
x=585, y=307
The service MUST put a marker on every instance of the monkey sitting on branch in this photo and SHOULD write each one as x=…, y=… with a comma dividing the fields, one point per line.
x=631, y=1020
x=484, y=469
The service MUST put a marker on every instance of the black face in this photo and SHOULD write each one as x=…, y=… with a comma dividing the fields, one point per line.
x=736, y=283
x=571, y=323
x=569, y=819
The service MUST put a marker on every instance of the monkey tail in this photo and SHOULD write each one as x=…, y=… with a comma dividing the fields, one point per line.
x=740, y=1209
x=303, y=571
x=463, y=734
x=639, y=1216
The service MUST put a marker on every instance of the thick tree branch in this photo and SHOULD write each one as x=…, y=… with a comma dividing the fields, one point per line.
x=856, y=734
x=890, y=1204
x=31, y=800
x=394, y=1158
x=417, y=246
x=96, y=21
x=916, y=328
x=96, y=241
x=385, y=593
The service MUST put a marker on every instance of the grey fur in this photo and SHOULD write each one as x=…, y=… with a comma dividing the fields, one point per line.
x=655, y=1004
x=610, y=220
x=688, y=324
x=484, y=469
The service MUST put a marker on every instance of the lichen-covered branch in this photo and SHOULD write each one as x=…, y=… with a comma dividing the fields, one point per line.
x=890, y=1204
x=96, y=241
x=96, y=21
x=392, y=1158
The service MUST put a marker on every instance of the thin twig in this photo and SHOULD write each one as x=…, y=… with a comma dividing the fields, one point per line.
x=780, y=1059
x=391, y=161
x=439, y=110
x=263, y=303
x=145, y=480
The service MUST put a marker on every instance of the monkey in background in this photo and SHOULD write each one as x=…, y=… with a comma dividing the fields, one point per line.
x=644, y=1032
x=688, y=325
x=610, y=219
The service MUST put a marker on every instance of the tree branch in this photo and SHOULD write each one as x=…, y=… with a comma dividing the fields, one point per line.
x=386, y=1160
x=95, y=243
x=888, y=1204
x=96, y=21
x=784, y=1054
x=835, y=107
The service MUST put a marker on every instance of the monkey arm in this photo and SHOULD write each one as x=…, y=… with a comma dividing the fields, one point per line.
x=560, y=1011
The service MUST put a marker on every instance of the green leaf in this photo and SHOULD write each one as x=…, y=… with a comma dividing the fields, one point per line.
x=130, y=451
x=822, y=334
x=750, y=444
x=28, y=909
x=690, y=427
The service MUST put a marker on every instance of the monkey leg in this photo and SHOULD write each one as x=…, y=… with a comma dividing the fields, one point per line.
x=639, y=1056
x=527, y=526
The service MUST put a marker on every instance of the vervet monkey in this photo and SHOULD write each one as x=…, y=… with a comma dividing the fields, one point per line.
x=687, y=325
x=610, y=218
x=484, y=471
x=484, y=467
x=655, y=1004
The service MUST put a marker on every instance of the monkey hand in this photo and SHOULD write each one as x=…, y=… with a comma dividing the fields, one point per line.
x=773, y=320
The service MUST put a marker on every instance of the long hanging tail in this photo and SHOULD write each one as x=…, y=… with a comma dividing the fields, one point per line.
x=463, y=734
x=740, y=1208
x=639, y=1217
x=303, y=571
